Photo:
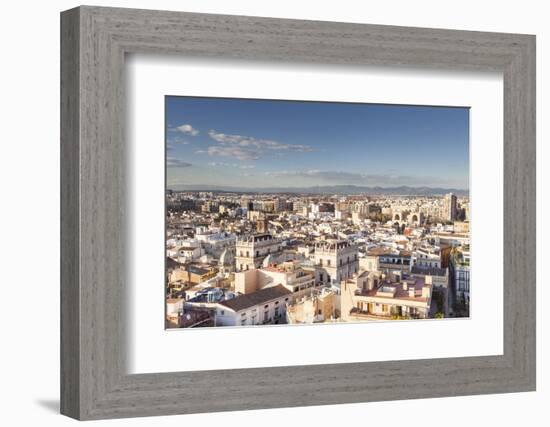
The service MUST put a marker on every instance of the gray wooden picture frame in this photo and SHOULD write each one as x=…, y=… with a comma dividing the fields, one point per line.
x=94, y=382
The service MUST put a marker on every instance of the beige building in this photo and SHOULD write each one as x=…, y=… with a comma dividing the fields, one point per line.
x=317, y=308
x=193, y=274
x=174, y=308
x=387, y=259
x=438, y=277
x=288, y=274
x=335, y=260
x=461, y=227
x=371, y=296
x=252, y=250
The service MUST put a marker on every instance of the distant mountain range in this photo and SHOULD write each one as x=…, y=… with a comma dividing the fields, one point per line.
x=328, y=189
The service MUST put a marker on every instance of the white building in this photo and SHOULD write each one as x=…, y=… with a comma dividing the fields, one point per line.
x=189, y=252
x=251, y=250
x=214, y=243
x=427, y=256
x=335, y=260
x=288, y=274
x=266, y=306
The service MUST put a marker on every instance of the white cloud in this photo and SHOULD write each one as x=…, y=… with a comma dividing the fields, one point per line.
x=230, y=165
x=173, y=162
x=249, y=148
x=231, y=151
x=187, y=129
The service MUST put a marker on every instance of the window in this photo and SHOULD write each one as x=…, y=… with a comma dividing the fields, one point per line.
x=328, y=262
x=222, y=312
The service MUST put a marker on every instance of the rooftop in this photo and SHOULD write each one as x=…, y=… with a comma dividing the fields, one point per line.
x=332, y=245
x=380, y=250
x=197, y=270
x=396, y=290
x=430, y=271
x=262, y=296
x=258, y=237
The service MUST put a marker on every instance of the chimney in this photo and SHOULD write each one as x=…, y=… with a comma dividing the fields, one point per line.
x=405, y=285
x=411, y=292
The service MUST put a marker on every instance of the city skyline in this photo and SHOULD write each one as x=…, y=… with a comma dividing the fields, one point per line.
x=288, y=144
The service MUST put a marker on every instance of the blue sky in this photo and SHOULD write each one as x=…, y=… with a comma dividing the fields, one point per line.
x=261, y=143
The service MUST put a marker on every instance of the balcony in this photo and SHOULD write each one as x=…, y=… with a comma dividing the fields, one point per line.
x=371, y=316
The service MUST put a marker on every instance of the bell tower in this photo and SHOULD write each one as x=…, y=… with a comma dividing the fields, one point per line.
x=262, y=224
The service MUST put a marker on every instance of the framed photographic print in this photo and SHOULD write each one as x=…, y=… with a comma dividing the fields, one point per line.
x=320, y=212
x=258, y=236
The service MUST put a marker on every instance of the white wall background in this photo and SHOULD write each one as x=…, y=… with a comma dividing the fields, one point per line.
x=29, y=239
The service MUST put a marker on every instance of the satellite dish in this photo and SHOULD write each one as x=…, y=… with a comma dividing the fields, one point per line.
x=188, y=316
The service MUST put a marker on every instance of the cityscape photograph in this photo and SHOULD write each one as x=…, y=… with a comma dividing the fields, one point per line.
x=283, y=212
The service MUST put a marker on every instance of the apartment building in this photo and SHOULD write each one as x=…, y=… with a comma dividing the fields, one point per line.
x=250, y=251
x=335, y=260
x=266, y=306
x=370, y=296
